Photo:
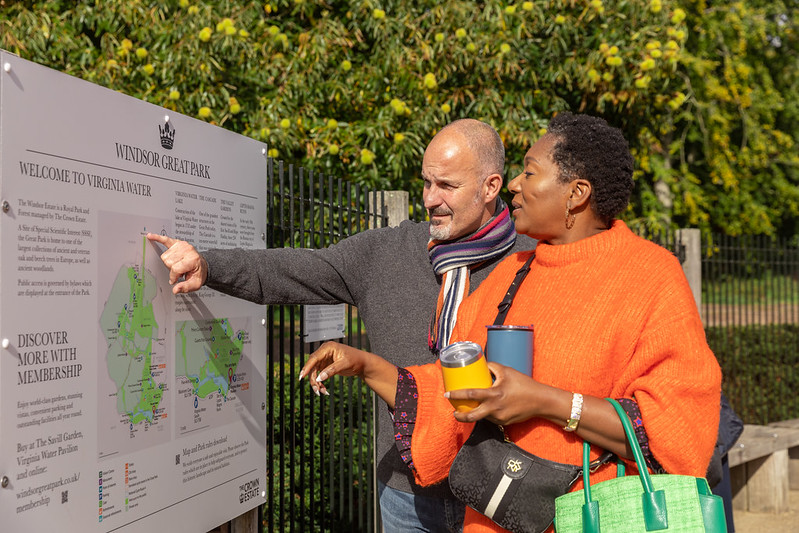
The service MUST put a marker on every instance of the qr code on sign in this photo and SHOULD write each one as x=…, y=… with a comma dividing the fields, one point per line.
x=64, y=496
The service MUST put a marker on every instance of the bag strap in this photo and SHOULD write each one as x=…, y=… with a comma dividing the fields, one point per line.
x=503, y=308
x=654, y=502
x=504, y=305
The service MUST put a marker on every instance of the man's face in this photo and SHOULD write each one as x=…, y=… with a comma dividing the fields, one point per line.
x=454, y=194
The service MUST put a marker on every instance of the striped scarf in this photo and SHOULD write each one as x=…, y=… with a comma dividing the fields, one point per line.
x=452, y=259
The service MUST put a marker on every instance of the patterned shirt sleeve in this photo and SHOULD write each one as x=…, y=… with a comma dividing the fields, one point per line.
x=631, y=408
x=405, y=414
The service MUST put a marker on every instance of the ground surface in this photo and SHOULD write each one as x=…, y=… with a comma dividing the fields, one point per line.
x=770, y=523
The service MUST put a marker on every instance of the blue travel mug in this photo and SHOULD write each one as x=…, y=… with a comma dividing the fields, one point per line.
x=511, y=346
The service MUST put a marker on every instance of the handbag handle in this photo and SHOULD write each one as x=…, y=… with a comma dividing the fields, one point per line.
x=654, y=502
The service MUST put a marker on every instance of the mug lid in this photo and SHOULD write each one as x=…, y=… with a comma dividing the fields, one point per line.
x=503, y=326
x=460, y=354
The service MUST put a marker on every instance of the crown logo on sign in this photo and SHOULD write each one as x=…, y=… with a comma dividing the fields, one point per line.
x=167, y=133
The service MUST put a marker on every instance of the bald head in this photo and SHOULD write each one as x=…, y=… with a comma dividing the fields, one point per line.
x=482, y=140
x=462, y=172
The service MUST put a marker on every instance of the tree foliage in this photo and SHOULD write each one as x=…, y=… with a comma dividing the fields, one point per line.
x=734, y=145
x=706, y=96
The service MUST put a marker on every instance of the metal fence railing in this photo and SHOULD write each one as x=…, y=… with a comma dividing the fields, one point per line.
x=319, y=451
x=750, y=305
x=750, y=280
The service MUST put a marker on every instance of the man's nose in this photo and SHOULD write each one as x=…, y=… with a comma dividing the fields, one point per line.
x=431, y=198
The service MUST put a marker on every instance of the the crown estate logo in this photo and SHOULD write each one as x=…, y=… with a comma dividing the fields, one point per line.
x=167, y=133
x=249, y=490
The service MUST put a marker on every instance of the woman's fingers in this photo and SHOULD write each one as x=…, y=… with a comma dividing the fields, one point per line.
x=477, y=395
x=474, y=395
x=321, y=365
x=317, y=360
x=310, y=369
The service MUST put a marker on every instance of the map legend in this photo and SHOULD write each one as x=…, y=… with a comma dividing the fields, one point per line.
x=127, y=485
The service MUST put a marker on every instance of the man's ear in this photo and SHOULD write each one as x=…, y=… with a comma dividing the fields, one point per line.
x=491, y=187
x=580, y=193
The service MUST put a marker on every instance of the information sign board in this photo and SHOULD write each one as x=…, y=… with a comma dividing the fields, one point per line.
x=324, y=322
x=122, y=406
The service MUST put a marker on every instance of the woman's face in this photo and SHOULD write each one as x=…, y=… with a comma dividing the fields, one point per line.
x=539, y=198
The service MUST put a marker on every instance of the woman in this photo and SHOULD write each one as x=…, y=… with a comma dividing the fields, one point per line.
x=613, y=316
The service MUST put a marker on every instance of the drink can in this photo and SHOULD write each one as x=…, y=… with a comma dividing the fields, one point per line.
x=464, y=367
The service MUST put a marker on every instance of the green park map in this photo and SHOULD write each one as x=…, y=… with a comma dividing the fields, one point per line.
x=214, y=370
x=129, y=325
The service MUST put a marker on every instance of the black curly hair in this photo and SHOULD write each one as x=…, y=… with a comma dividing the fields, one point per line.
x=589, y=148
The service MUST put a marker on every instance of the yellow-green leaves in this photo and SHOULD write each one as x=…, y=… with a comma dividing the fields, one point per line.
x=367, y=156
x=357, y=89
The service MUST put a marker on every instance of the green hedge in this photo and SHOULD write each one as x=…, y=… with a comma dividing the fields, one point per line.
x=319, y=453
x=761, y=370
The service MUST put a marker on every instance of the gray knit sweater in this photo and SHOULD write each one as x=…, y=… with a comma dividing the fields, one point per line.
x=386, y=273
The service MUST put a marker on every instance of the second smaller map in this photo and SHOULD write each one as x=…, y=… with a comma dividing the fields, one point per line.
x=212, y=371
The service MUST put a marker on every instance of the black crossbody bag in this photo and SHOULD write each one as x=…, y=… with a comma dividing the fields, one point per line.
x=495, y=477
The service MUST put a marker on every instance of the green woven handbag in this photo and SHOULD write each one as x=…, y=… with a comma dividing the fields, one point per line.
x=636, y=504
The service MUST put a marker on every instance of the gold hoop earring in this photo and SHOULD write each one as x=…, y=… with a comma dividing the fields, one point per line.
x=570, y=217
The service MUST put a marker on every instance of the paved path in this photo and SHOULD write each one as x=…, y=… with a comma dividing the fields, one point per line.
x=746, y=314
x=746, y=522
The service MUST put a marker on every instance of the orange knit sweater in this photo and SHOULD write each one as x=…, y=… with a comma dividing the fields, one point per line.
x=613, y=316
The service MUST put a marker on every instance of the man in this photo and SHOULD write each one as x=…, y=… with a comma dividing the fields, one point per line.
x=408, y=307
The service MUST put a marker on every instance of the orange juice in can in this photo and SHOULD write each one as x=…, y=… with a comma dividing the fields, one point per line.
x=464, y=367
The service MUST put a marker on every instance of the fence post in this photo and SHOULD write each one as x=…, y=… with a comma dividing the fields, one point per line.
x=691, y=240
x=246, y=523
x=396, y=204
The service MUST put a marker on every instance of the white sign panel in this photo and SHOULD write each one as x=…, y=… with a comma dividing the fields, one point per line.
x=122, y=407
x=323, y=322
